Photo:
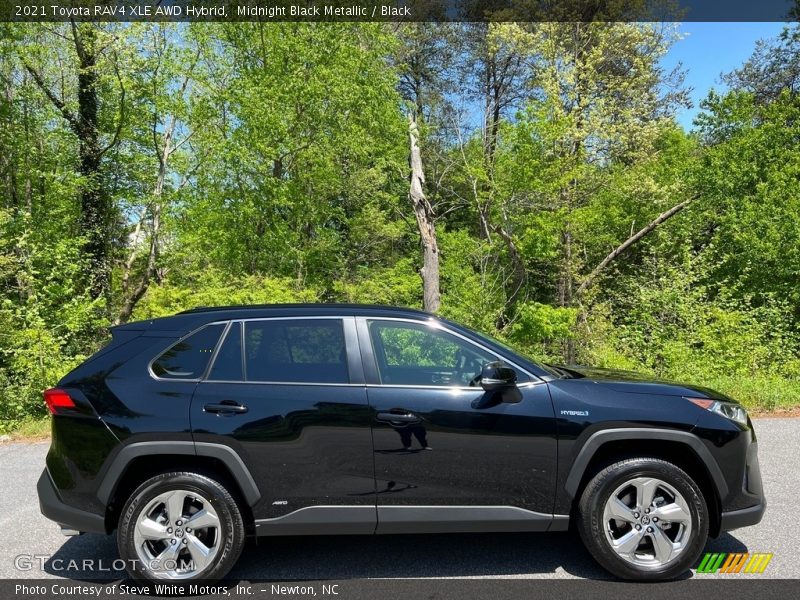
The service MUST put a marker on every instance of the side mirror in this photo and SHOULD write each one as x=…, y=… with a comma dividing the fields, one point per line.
x=497, y=376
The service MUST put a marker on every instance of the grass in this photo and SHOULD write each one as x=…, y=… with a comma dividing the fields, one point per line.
x=760, y=394
x=30, y=430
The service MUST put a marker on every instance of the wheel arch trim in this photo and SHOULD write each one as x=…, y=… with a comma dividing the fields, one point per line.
x=599, y=438
x=225, y=454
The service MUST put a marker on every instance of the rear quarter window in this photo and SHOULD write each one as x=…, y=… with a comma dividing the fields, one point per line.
x=189, y=357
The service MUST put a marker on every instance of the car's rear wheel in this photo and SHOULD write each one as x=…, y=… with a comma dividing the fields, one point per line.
x=643, y=518
x=180, y=526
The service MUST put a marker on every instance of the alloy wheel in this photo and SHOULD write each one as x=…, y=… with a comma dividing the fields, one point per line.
x=647, y=522
x=177, y=535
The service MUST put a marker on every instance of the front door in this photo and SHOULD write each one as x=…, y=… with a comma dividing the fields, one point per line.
x=445, y=458
x=288, y=396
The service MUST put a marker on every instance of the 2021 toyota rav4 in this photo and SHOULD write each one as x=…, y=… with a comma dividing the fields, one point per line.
x=188, y=433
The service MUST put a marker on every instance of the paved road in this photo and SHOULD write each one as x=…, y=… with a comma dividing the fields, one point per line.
x=24, y=532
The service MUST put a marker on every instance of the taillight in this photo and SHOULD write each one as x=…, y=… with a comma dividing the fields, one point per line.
x=57, y=399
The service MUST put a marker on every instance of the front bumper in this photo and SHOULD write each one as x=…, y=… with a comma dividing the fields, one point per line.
x=750, y=496
x=68, y=517
x=742, y=518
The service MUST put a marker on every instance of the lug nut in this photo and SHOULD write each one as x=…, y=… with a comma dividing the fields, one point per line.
x=184, y=541
x=638, y=528
x=646, y=510
x=188, y=530
x=169, y=529
x=649, y=530
x=178, y=522
x=635, y=515
x=655, y=519
x=172, y=541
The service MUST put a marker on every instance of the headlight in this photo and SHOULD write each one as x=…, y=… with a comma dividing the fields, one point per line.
x=729, y=410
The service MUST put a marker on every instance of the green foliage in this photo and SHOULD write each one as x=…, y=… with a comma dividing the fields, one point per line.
x=28, y=428
x=309, y=162
x=48, y=323
x=773, y=68
x=670, y=328
x=540, y=326
x=751, y=175
x=264, y=163
x=397, y=285
x=472, y=289
x=214, y=288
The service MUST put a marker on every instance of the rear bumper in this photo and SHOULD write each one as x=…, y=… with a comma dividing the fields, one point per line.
x=743, y=518
x=68, y=517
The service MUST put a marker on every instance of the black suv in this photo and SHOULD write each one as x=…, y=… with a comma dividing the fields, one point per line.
x=188, y=433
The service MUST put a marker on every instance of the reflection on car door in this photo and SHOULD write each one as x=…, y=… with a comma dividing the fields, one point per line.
x=288, y=395
x=442, y=461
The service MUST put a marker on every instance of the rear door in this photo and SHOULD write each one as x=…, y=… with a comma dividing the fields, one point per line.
x=288, y=395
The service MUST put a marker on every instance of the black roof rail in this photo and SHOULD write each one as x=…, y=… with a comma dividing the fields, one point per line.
x=350, y=306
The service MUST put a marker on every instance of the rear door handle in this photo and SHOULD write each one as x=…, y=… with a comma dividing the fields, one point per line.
x=226, y=407
x=398, y=417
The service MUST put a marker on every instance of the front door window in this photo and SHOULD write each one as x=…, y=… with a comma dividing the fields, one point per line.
x=421, y=354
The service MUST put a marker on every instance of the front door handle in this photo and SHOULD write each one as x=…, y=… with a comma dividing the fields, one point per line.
x=226, y=407
x=398, y=417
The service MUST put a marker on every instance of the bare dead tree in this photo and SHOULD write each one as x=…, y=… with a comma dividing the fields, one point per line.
x=425, y=222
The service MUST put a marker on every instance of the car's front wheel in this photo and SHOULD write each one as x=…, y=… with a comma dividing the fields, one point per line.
x=180, y=526
x=643, y=518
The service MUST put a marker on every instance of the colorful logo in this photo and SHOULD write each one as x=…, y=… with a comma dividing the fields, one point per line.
x=737, y=562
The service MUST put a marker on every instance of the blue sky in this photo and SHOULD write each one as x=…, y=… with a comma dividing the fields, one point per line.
x=709, y=49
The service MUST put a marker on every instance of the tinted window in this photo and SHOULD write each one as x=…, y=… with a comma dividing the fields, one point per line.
x=417, y=354
x=296, y=351
x=228, y=363
x=188, y=358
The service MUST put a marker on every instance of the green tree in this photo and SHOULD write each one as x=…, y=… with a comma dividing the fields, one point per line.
x=312, y=140
x=773, y=68
x=597, y=105
x=85, y=89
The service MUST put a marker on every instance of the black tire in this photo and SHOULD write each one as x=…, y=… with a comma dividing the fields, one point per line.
x=591, y=524
x=231, y=526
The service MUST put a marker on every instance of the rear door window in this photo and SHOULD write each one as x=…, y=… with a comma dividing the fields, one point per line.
x=188, y=358
x=296, y=351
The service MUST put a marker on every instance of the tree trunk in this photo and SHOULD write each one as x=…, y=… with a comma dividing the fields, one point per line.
x=96, y=207
x=491, y=128
x=565, y=289
x=518, y=276
x=611, y=256
x=130, y=301
x=7, y=154
x=424, y=214
x=163, y=152
x=565, y=268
